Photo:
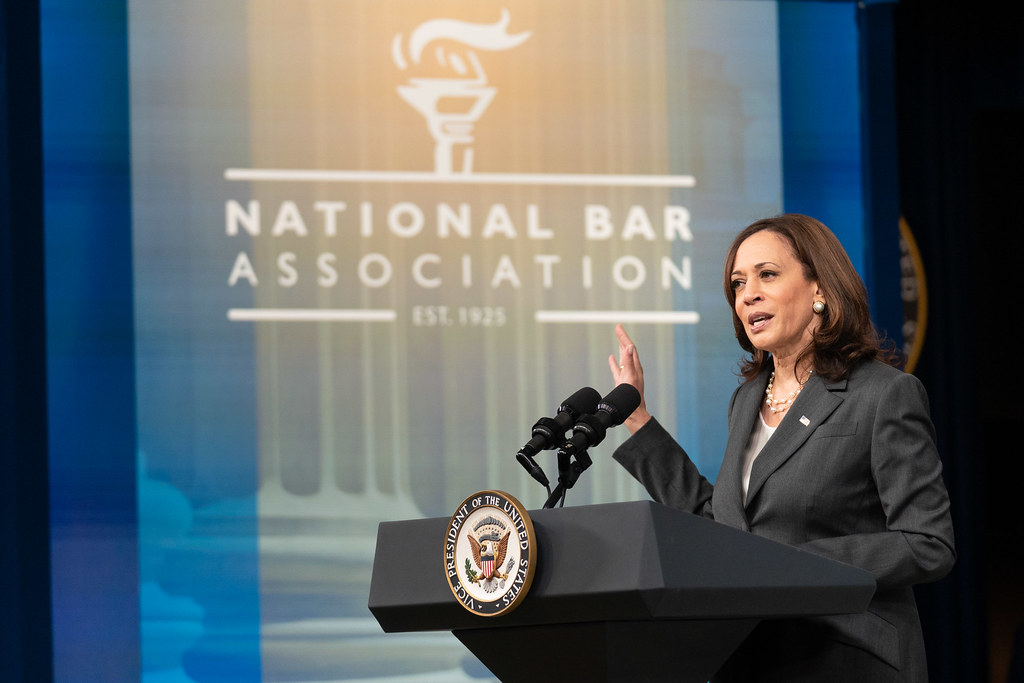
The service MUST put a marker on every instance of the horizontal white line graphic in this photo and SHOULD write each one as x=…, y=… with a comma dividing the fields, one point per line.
x=312, y=315
x=659, y=317
x=573, y=179
x=388, y=315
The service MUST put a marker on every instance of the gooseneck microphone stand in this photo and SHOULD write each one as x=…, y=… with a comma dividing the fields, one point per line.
x=572, y=461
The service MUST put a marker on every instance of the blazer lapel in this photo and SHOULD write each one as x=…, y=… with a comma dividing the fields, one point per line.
x=815, y=403
x=728, y=502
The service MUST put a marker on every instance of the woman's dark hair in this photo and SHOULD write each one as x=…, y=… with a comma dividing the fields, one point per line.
x=846, y=335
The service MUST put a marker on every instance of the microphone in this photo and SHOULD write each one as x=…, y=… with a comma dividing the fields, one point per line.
x=549, y=432
x=612, y=411
x=588, y=431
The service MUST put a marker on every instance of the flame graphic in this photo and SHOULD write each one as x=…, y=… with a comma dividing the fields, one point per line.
x=481, y=36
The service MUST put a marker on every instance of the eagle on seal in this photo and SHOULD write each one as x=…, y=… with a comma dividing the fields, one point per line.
x=489, y=554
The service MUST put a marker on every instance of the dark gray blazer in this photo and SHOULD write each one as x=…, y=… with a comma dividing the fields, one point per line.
x=852, y=473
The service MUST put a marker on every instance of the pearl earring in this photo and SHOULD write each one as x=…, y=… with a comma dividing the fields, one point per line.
x=818, y=307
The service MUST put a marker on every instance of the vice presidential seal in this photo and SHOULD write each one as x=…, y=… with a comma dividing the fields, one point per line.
x=489, y=553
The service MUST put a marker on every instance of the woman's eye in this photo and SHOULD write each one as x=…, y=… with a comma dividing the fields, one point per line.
x=736, y=284
x=767, y=274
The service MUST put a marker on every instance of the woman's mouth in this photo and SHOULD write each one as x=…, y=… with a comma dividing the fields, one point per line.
x=757, y=321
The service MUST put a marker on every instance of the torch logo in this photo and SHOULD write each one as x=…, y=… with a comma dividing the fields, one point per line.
x=455, y=99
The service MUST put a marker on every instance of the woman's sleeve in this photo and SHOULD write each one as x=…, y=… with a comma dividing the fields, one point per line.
x=917, y=545
x=657, y=461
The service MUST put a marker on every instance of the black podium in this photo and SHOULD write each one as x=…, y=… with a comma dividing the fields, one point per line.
x=622, y=592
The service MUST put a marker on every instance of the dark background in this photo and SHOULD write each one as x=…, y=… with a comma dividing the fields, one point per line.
x=960, y=127
x=957, y=74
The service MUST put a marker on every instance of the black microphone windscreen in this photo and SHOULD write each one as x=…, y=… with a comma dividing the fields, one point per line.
x=620, y=402
x=583, y=402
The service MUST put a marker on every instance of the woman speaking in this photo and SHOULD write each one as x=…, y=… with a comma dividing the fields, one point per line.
x=830, y=449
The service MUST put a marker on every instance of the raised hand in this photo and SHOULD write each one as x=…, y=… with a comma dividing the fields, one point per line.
x=627, y=369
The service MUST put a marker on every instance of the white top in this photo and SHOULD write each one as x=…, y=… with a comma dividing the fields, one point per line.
x=758, y=438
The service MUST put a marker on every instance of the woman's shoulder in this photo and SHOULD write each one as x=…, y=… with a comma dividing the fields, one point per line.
x=880, y=376
x=876, y=369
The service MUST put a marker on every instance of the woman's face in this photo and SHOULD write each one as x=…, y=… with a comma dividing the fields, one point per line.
x=773, y=297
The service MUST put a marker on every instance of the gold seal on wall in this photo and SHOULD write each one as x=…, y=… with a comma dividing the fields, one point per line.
x=490, y=553
x=914, y=293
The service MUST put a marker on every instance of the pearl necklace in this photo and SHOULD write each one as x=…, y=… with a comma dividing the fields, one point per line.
x=777, y=405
